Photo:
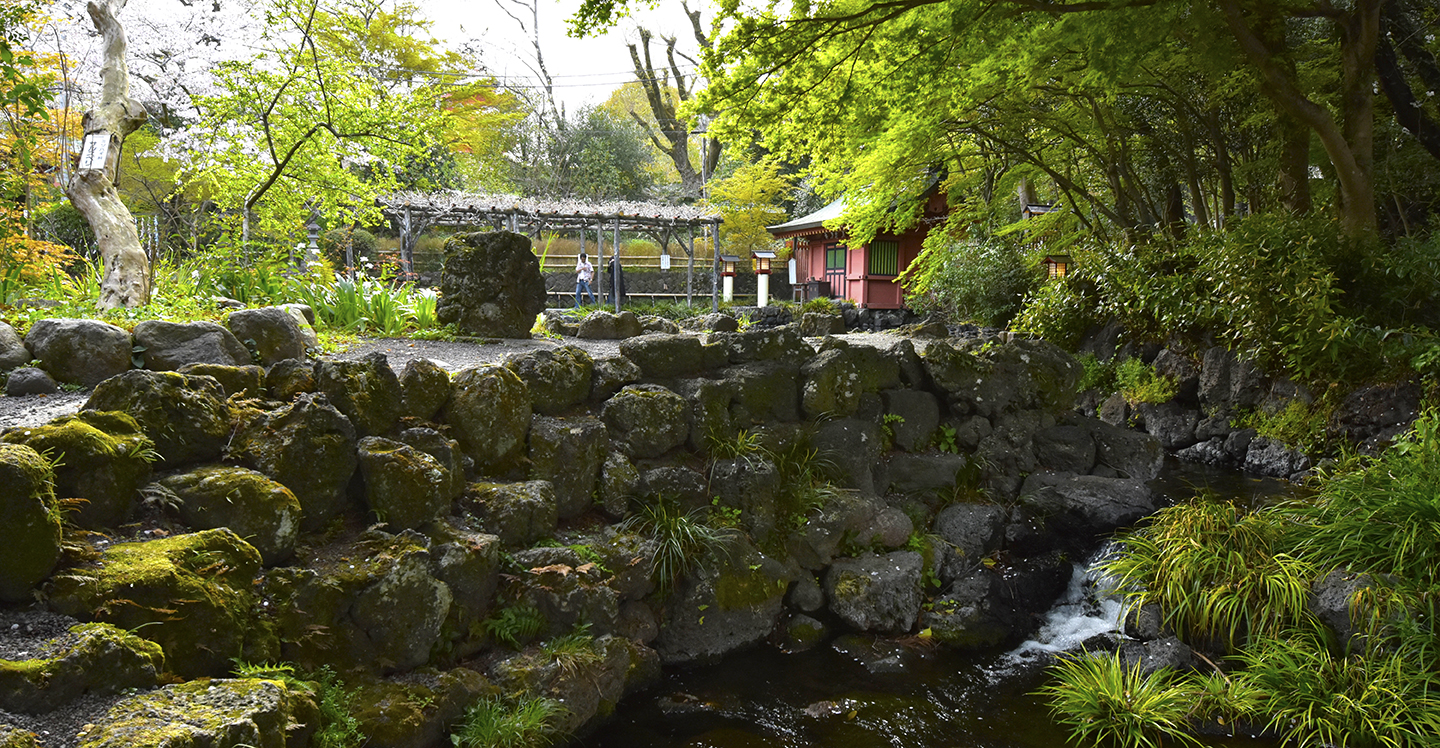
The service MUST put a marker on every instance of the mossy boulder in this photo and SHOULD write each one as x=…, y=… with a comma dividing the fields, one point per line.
x=167, y=346
x=446, y=451
x=619, y=483
x=558, y=379
x=567, y=592
x=106, y=459
x=764, y=391
x=830, y=385
x=588, y=682
x=13, y=353
x=418, y=709
x=190, y=593
x=366, y=391
x=731, y=601
x=782, y=343
x=610, y=374
x=425, y=387
x=568, y=452
x=664, y=357
x=227, y=713
x=404, y=487
x=91, y=658
x=186, y=416
x=14, y=737
x=80, y=351
x=876, y=593
x=647, y=420
x=234, y=380
x=263, y=512
x=31, y=519
x=288, y=379
x=489, y=413
x=519, y=513
x=307, y=446
x=491, y=285
x=373, y=605
x=270, y=333
x=468, y=562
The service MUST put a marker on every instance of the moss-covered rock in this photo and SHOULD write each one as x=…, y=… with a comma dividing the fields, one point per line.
x=558, y=379
x=374, y=605
x=234, y=380
x=105, y=460
x=404, y=487
x=519, y=513
x=190, y=593
x=14, y=737
x=664, y=357
x=285, y=380
x=830, y=385
x=765, y=391
x=186, y=416
x=425, y=387
x=31, y=519
x=610, y=374
x=366, y=391
x=468, y=562
x=446, y=451
x=491, y=285
x=647, y=420
x=568, y=452
x=588, y=680
x=418, y=710
x=91, y=658
x=263, y=512
x=876, y=593
x=730, y=603
x=209, y=714
x=270, y=333
x=307, y=446
x=489, y=411
x=619, y=483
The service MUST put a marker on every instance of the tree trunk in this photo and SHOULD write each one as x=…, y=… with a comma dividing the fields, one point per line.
x=92, y=191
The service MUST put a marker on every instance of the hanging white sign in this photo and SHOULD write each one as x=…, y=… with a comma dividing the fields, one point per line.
x=664, y=262
x=95, y=150
x=791, y=263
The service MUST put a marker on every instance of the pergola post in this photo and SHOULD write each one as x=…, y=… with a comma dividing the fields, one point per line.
x=690, y=269
x=615, y=280
x=600, y=257
x=715, y=267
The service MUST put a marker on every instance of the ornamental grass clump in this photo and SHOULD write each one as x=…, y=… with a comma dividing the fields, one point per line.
x=683, y=540
x=499, y=723
x=1103, y=701
x=1218, y=571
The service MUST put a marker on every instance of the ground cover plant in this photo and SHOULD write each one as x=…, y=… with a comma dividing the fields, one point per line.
x=1236, y=582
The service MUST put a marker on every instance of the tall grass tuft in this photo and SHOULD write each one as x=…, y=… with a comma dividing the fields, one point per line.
x=1104, y=702
x=683, y=540
x=1216, y=570
x=497, y=723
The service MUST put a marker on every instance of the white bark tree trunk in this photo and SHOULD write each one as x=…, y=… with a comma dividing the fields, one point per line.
x=92, y=190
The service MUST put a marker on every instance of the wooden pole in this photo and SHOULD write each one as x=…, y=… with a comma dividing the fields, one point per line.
x=690, y=269
x=715, y=266
x=619, y=286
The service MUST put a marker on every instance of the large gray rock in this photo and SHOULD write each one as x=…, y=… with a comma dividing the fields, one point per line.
x=971, y=531
x=1129, y=454
x=854, y=447
x=1078, y=508
x=210, y=714
x=1170, y=422
x=309, y=447
x=769, y=344
x=616, y=666
x=31, y=520
x=468, y=562
x=489, y=414
x=619, y=483
x=1066, y=448
x=89, y=658
x=610, y=374
x=1376, y=411
x=818, y=324
x=30, y=380
x=80, y=351
x=1271, y=457
x=170, y=345
x=404, y=487
x=1228, y=380
x=1339, y=600
x=723, y=606
x=518, y=513
x=446, y=452
x=1180, y=368
x=491, y=285
x=664, y=357
x=928, y=474
x=366, y=391
x=1150, y=657
x=425, y=388
x=568, y=452
x=761, y=392
x=271, y=333
x=558, y=379
x=13, y=353
x=1021, y=375
x=917, y=416
x=647, y=420
x=186, y=416
x=263, y=512
x=876, y=593
x=750, y=484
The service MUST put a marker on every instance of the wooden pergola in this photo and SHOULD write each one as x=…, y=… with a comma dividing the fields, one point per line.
x=415, y=212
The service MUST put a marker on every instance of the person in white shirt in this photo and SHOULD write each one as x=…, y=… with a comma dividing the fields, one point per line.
x=584, y=275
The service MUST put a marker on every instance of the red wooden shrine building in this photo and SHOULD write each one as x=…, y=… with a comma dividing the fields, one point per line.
x=827, y=264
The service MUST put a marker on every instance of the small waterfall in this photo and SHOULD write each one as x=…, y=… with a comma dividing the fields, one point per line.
x=1087, y=609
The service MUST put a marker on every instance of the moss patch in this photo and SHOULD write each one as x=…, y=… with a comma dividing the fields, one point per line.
x=30, y=518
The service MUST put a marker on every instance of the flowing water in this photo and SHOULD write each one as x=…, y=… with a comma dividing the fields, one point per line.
x=910, y=695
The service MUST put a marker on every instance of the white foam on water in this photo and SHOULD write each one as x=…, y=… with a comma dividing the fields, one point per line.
x=1085, y=611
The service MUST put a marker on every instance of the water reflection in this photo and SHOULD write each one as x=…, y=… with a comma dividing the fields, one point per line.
x=933, y=698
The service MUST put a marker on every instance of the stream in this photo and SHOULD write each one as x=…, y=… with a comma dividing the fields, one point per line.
x=911, y=695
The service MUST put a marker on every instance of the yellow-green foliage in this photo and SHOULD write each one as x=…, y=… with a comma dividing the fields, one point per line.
x=1298, y=426
x=1140, y=383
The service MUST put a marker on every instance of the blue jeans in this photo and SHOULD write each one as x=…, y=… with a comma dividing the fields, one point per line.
x=583, y=286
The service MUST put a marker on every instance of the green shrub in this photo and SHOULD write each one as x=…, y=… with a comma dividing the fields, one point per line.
x=1058, y=312
x=981, y=281
x=363, y=243
x=1298, y=426
x=1098, y=375
x=1140, y=383
x=1103, y=702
